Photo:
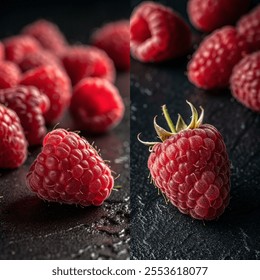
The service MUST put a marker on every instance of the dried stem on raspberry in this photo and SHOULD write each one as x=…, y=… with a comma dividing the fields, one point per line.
x=163, y=134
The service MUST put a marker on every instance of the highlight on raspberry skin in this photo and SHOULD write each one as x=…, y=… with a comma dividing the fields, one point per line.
x=114, y=38
x=13, y=145
x=96, y=105
x=245, y=81
x=69, y=170
x=208, y=15
x=190, y=166
x=157, y=33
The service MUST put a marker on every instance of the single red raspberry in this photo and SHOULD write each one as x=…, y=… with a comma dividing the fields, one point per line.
x=13, y=151
x=9, y=74
x=114, y=39
x=83, y=61
x=249, y=26
x=208, y=15
x=2, y=51
x=158, y=33
x=245, y=81
x=48, y=35
x=96, y=105
x=29, y=104
x=36, y=59
x=17, y=47
x=212, y=63
x=53, y=82
x=191, y=166
x=69, y=170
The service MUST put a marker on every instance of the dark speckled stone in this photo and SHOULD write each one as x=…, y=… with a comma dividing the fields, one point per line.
x=33, y=229
x=160, y=231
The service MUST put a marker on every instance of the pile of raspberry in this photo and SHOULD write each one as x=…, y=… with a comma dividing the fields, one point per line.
x=227, y=57
x=41, y=77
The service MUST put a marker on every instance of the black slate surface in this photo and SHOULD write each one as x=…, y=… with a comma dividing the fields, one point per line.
x=33, y=229
x=160, y=231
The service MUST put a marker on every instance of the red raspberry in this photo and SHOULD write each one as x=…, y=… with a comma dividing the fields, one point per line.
x=245, y=81
x=191, y=167
x=208, y=15
x=69, y=170
x=114, y=39
x=2, y=51
x=47, y=34
x=83, y=61
x=53, y=82
x=96, y=105
x=249, y=26
x=9, y=74
x=36, y=59
x=211, y=65
x=13, y=151
x=158, y=33
x=29, y=104
x=17, y=47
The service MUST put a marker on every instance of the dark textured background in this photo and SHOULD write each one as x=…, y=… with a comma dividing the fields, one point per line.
x=33, y=229
x=159, y=231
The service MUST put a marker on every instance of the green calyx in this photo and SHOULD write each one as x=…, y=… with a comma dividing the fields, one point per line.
x=196, y=121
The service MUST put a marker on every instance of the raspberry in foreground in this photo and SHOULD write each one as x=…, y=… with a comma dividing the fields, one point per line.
x=208, y=15
x=47, y=34
x=55, y=84
x=96, y=105
x=157, y=33
x=17, y=47
x=84, y=61
x=114, y=39
x=191, y=167
x=9, y=74
x=245, y=81
x=249, y=27
x=29, y=104
x=212, y=63
x=13, y=145
x=69, y=170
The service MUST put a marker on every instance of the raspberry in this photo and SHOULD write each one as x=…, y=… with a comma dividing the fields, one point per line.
x=211, y=65
x=114, y=39
x=47, y=34
x=157, y=33
x=191, y=167
x=208, y=15
x=96, y=105
x=13, y=145
x=249, y=26
x=9, y=74
x=245, y=81
x=53, y=82
x=83, y=61
x=17, y=47
x=36, y=59
x=29, y=104
x=2, y=51
x=69, y=170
